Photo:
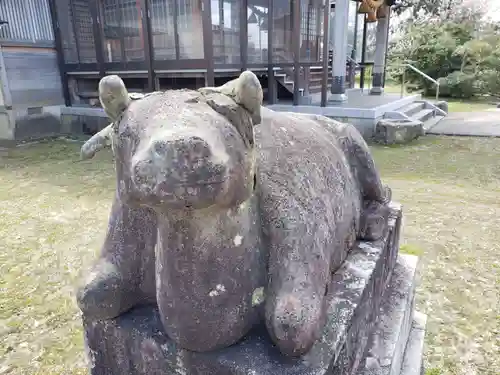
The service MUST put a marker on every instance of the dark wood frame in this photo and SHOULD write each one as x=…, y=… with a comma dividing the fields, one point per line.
x=60, y=54
x=151, y=68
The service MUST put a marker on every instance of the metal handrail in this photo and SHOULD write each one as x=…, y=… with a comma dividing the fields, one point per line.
x=422, y=74
x=351, y=60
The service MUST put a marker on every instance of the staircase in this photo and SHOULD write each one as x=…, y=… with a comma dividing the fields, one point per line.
x=409, y=122
x=424, y=111
x=285, y=79
x=309, y=81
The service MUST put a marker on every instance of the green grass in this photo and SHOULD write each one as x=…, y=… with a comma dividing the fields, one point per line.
x=411, y=250
x=55, y=211
x=454, y=105
x=450, y=190
x=470, y=105
x=433, y=371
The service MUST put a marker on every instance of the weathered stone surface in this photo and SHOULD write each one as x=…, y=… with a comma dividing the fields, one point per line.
x=216, y=219
x=414, y=352
x=390, y=131
x=136, y=342
x=367, y=313
x=387, y=343
x=443, y=105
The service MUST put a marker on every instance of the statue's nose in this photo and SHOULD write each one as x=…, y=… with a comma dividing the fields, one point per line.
x=180, y=150
x=177, y=158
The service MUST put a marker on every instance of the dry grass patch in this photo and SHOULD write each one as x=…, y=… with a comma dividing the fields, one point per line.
x=55, y=210
x=450, y=189
x=54, y=214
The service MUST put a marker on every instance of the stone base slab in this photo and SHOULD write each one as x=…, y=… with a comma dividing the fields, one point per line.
x=388, y=341
x=414, y=353
x=398, y=131
x=136, y=344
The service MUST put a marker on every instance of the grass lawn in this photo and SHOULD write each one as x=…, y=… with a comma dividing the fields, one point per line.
x=454, y=105
x=471, y=105
x=55, y=210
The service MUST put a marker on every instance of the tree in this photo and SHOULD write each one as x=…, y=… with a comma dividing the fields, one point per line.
x=457, y=10
x=451, y=42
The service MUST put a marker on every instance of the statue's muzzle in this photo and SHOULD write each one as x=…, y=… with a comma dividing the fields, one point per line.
x=180, y=171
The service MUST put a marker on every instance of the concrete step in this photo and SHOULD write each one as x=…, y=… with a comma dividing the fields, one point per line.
x=412, y=108
x=412, y=362
x=423, y=115
x=387, y=343
x=433, y=121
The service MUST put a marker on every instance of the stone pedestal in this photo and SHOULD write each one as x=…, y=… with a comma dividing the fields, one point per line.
x=135, y=343
x=390, y=131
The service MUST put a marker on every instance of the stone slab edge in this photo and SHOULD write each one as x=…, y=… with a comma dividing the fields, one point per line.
x=135, y=343
x=412, y=363
x=388, y=341
x=367, y=312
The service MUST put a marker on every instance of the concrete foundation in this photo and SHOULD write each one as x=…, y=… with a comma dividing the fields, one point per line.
x=360, y=109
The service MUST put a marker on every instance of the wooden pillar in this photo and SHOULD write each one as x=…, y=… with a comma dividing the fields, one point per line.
x=98, y=36
x=176, y=29
x=296, y=49
x=271, y=81
x=363, y=54
x=208, y=45
x=326, y=42
x=148, y=43
x=60, y=52
x=244, y=35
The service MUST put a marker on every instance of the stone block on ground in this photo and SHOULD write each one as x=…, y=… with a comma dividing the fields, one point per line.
x=413, y=359
x=391, y=131
x=135, y=343
x=442, y=105
x=387, y=343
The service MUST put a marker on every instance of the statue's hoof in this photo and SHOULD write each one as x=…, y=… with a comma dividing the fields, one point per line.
x=103, y=295
x=295, y=325
x=374, y=220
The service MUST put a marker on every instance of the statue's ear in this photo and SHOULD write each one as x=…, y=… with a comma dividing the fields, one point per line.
x=113, y=96
x=248, y=93
x=244, y=90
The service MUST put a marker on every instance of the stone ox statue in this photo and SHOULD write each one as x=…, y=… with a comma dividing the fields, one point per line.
x=226, y=211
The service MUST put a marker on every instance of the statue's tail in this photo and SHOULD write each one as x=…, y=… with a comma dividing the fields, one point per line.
x=96, y=143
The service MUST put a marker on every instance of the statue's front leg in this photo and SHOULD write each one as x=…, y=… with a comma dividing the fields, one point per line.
x=123, y=276
x=299, y=272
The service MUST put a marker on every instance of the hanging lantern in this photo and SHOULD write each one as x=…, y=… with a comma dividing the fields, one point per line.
x=364, y=8
x=382, y=12
x=372, y=17
x=374, y=3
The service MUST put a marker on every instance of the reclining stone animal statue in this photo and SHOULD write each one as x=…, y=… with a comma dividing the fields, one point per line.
x=226, y=211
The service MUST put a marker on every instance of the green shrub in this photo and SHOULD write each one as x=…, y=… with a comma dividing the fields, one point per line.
x=489, y=82
x=458, y=85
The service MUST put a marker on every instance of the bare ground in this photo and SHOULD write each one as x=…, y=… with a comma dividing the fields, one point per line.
x=54, y=214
